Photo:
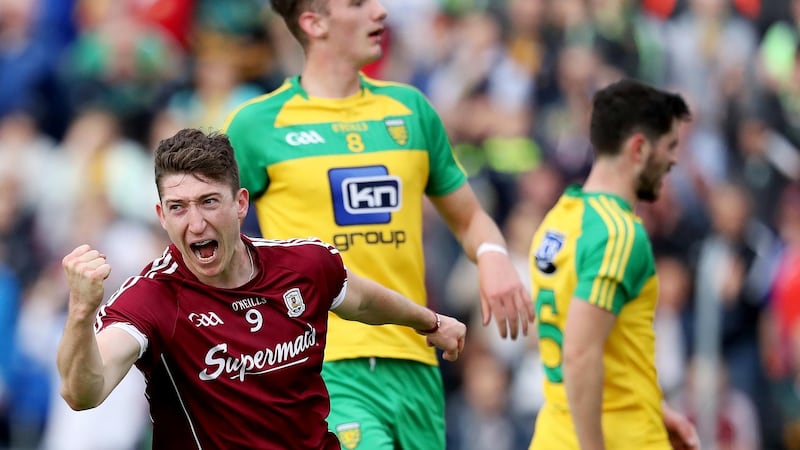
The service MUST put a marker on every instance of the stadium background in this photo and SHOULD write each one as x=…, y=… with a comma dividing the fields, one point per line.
x=87, y=87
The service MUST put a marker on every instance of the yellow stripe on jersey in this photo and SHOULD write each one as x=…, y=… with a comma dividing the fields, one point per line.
x=622, y=241
x=630, y=235
x=599, y=288
x=618, y=249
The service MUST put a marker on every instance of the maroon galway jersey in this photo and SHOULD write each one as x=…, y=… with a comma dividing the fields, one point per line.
x=235, y=368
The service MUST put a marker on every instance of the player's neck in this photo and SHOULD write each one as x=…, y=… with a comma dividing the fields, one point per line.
x=610, y=177
x=330, y=77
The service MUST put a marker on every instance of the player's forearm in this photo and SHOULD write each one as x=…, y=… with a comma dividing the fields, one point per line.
x=80, y=364
x=583, y=380
x=369, y=302
x=467, y=220
x=481, y=230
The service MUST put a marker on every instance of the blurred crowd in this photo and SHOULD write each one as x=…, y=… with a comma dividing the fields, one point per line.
x=88, y=87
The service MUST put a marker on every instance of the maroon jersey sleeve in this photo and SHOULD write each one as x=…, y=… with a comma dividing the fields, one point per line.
x=142, y=307
x=330, y=271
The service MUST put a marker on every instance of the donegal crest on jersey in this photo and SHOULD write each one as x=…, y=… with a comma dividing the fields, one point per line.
x=397, y=130
x=352, y=172
x=546, y=253
x=349, y=434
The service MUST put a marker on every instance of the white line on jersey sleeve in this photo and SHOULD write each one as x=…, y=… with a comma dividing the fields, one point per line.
x=340, y=297
x=135, y=333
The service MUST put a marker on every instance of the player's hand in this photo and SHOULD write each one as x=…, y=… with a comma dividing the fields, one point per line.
x=503, y=295
x=86, y=269
x=449, y=337
x=682, y=434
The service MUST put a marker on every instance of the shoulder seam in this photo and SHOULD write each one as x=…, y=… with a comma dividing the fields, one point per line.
x=261, y=242
x=254, y=100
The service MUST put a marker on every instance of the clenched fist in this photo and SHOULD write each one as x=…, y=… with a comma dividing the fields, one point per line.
x=86, y=270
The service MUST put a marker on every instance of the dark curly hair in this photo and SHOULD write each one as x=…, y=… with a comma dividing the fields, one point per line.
x=629, y=106
x=193, y=152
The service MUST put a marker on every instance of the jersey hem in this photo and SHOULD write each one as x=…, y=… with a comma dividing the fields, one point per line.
x=416, y=358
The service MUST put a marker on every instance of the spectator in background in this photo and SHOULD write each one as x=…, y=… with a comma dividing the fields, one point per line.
x=119, y=62
x=674, y=294
x=216, y=87
x=9, y=305
x=529, y=43
x=478, y=417
x=176, y=17
x=94, y=158
x=673, y=227
x=779, y=61
x=479, y=58
x=736, y=424
x=783, y=357
x=735, y=268
x=28, y=61
x=24, y=150
x=709, y=49
x=766, y=162
x=252, y=40
x=786, y=393
x=784, y=307
x=563, y=124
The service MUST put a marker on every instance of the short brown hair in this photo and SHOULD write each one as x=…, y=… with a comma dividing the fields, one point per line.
x=290, y=11
x=193, y=152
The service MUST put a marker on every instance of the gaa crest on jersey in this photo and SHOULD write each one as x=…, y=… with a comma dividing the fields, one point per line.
x=546, y=253
x=209, y=319
x=294, y=302
x=397, y=130
x=349, y=434
x=364, y=195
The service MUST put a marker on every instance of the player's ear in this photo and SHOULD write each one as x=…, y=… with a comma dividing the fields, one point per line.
x=242, y=202
x=313, y=24
x=636, y=148
x=160, y=213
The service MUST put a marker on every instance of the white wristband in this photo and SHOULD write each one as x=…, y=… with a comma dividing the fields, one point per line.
x=489, y=247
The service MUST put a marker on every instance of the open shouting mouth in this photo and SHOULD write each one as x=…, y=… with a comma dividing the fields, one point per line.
x=205, y=250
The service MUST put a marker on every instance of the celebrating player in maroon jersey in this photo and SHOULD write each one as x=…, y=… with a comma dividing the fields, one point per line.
x=228, y=330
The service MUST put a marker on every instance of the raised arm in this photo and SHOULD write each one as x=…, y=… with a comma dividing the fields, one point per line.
x=90, y=366
x=369, y=302
x=502, y=294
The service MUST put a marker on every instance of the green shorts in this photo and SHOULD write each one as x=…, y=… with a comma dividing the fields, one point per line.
x=386, y=404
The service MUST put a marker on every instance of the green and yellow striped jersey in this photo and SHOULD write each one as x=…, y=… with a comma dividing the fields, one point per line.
x=352, y=172
x=591, y=246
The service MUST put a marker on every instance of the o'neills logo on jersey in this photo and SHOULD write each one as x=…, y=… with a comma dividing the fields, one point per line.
x=284, y=354
x=397, y=130
x=296, y=138
x=247, y=303
x=350, y=127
